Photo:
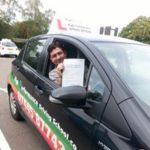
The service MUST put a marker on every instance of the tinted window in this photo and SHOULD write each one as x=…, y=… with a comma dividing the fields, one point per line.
x=131, y=62
x=96, y=86
x=8, y=44
x=33, y=52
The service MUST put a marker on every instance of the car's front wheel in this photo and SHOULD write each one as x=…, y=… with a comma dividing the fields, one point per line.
x=13, y=107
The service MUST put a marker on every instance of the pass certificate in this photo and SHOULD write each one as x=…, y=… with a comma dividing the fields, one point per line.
x=73, y=73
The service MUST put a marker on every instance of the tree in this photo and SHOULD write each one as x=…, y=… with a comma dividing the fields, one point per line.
x=33, y=12
x=9, y=9
x=138, y=29
x=26, y=29
x=34, y=20
x=6, y=30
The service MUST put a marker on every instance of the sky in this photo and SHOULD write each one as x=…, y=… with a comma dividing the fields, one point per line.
x=116, y=13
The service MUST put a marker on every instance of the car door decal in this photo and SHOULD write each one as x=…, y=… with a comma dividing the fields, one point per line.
x=48, y=127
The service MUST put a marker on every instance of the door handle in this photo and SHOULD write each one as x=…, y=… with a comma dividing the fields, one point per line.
x=38, y=90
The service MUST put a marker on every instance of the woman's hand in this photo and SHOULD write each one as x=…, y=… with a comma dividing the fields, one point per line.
x=59, y=69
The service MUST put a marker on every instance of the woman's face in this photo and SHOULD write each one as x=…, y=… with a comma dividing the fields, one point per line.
x=57, y=56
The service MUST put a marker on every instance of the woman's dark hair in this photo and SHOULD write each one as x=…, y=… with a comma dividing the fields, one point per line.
x=54, y=45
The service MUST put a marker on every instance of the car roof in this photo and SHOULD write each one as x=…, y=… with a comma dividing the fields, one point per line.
x=93, y=37
x=6, y=40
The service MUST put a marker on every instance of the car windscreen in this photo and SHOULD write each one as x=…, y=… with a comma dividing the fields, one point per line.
x=131, y=62
x=8, y=44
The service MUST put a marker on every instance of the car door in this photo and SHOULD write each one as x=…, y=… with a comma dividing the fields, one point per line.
x=66, y=127
x=24, y=72
x=55, y=123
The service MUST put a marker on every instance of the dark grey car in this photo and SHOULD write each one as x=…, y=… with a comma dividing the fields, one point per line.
x=110, y=111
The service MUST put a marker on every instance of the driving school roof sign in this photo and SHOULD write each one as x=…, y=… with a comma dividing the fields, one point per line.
x=65, y=25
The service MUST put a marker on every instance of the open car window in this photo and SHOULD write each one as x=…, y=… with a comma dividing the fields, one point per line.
x=72, y=52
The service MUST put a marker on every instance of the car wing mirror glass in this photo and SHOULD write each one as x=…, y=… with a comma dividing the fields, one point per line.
x=69, y=96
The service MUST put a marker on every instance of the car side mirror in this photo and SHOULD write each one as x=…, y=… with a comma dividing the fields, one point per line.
x=69, y=96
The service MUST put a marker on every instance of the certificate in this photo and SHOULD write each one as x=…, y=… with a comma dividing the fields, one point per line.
x=73, y=73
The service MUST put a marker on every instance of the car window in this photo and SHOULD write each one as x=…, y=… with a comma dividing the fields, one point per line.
x=33, y=51
x=131, y=62
x=72, y=52
x=96, y=86
x=8, y=44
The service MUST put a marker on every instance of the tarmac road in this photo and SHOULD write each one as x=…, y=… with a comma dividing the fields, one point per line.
x=18, y=135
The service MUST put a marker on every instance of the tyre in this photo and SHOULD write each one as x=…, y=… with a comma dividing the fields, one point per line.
x=14, y=107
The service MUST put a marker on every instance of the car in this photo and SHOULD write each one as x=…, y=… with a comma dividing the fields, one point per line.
x=8, y=48
x=111, y=111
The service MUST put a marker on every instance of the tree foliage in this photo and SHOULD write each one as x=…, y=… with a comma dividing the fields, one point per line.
x=138, y=29
x=9, y=9
x=27, y=29
x=34, y=20
x=34, y=14
x=6, y=30
x=32, y=10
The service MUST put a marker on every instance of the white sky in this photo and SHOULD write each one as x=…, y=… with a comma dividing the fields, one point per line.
x=117, y=13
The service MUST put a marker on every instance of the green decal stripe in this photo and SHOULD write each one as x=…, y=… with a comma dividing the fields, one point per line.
x=41, y=114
